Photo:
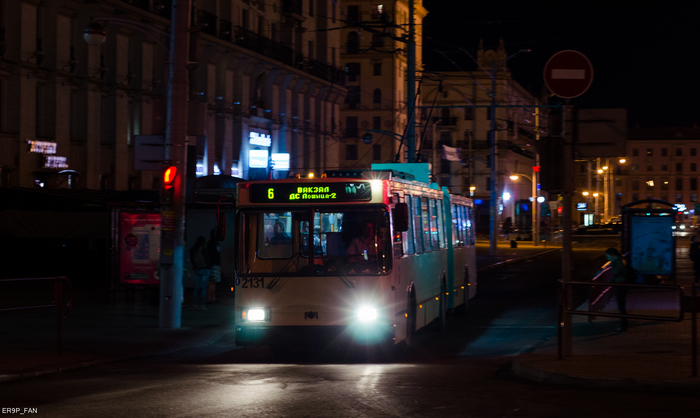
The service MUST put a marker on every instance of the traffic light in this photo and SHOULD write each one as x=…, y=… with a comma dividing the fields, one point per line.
x=167, y=191
x=551, y=169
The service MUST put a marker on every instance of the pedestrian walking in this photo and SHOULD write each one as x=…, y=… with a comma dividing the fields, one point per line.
x=695, y=256
x=617, y=268
x=200, y=265
x=214, y=253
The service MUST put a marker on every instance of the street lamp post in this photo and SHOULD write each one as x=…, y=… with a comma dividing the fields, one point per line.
x=172, y=245
x=493, y=207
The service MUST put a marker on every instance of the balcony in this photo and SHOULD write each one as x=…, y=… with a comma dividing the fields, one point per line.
x=206, y=22
x=445, y=121
x=162, y=8
x=293, y=9
x=252, y=41
x=225, y=30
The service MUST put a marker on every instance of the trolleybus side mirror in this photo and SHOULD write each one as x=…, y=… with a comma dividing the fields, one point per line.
x=400, y=215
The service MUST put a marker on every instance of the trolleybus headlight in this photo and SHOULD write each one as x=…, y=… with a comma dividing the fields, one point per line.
x=255, y=314
x=366, y=314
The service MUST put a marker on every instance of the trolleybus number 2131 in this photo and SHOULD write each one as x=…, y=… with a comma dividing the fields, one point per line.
x=375, y=258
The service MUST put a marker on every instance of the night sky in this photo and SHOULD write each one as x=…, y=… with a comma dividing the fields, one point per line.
x=645, y=59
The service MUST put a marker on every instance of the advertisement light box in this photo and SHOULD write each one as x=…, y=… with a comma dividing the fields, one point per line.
x=260, y=139
x=280, y=161
x=257, y=158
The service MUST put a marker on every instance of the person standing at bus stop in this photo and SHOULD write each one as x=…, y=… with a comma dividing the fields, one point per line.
x=617, y=268
x=695, y=256
x=214, y=253
x=200, y=265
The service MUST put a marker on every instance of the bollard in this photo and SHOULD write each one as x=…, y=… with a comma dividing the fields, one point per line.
x=513, y=244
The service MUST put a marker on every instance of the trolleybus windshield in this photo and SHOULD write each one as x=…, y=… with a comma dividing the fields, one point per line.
x=325, y=241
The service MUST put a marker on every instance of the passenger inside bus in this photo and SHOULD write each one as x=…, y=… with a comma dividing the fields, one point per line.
x=279, y=236
x=318, y=247
x=367, y=246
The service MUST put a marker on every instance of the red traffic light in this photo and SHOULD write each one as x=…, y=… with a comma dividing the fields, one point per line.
x=169, y=174
x=536, y=168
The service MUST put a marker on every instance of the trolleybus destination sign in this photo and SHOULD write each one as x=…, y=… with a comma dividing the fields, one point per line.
x=311, y=192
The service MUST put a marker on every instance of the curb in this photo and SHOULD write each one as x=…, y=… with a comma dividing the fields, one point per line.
x=515, y=260
x=208, y=340
x=531, y=373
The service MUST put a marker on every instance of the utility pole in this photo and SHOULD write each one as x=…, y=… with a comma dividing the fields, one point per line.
x=173, y=216
x=493, y=208
x=411, y=88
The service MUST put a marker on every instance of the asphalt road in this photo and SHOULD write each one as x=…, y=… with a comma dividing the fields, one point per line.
x=461, y=372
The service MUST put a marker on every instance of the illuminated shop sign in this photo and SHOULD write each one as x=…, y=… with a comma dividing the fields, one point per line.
x=257, y=158
x=581, y=206
x=310, y=192
x=54, y=161
x=42, y=147
x=260, y=139
x=280, y=161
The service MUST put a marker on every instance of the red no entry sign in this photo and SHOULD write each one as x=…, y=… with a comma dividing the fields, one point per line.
x=568, y=74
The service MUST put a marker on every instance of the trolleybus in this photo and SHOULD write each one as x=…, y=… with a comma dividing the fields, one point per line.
x=369, y=256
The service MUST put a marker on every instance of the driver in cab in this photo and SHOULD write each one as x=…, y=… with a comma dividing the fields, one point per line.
x=365, y=247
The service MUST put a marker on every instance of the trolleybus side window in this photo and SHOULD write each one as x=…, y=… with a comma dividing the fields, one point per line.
x=408, y=240
x=463, y=222
x=425, y=223
x=441, y=224
x=417, y=228
x=455, y=230
x=470, y=225
x=434, y=225
x=460, y=225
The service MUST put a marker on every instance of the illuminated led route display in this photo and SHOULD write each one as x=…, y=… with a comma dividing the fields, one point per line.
x=358, y=191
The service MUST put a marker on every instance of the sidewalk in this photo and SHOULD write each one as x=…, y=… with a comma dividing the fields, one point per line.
x=102, y=333
x=651, y=355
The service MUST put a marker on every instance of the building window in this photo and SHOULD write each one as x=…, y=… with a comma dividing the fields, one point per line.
x=352, y=69
x=664, y=167
x=664, y=152
x=693, y=152
x=377, y=40
x=679, y=152
x=353, y=46
x=679, y=184
x=377, y=96
x=635, y=167
x=354, y=13
x=679, y=197
x=312, y=52
x=377, y=10
x=311, y=7
x=353, y=97
x=351, y=127
x=679, y=167
x=693, y=167
x=635, y=152
x=351, y=152
x=664, y=184
x=377, y=123
x=650, y=152
x=376, y=152
x=635, y=197
x=693, y=197
x=377, y=68
x=650, y=167
x=468, y=113
x=635, y=184
x=488, y=184
x=650, y=184
x=245, y=19
x=694, y=184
